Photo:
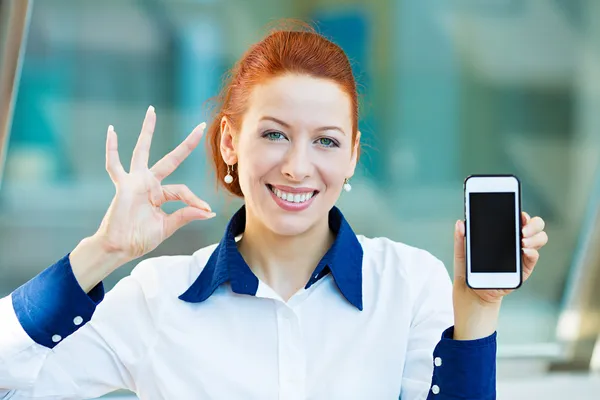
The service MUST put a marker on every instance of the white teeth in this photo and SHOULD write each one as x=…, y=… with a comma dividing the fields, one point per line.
x=293, y=198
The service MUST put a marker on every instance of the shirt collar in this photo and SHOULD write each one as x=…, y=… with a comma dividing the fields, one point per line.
x=226, y=264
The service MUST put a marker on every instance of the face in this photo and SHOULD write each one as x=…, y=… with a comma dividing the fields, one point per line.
x=293, y=152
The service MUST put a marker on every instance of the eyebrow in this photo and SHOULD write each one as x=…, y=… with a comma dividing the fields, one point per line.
x=286, y=125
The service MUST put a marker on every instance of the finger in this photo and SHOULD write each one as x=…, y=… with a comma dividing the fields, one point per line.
x=171, y=161
x=183, y=193
x=139, y=160
x=530, y=259
x=536, y=241
x=534, y=226
x=459, y=250
x=183, y=217
x=525, y=218
x=113, y=163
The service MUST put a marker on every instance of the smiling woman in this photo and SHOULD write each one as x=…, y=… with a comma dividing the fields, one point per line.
x=297, y=152
x=290, y=304
x=300, y=54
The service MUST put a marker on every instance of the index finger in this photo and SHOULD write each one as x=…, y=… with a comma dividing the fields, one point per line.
x=169, y=163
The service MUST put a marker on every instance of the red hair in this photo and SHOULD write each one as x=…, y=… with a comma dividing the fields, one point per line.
x=281, y=51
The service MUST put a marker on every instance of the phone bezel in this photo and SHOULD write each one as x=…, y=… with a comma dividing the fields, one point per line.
x=486, y=184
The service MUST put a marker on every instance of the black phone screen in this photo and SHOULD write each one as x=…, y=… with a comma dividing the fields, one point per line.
x=492, y=232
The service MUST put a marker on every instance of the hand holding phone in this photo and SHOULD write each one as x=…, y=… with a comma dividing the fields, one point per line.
x=488, y=263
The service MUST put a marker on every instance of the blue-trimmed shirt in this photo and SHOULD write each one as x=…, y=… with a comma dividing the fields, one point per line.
x=373, y=321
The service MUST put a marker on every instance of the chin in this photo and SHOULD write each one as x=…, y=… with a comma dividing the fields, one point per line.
x=286, y=220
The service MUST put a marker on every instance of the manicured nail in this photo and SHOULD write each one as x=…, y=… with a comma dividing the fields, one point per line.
x=458, y=228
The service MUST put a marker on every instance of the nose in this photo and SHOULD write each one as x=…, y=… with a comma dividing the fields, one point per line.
x=297, y=164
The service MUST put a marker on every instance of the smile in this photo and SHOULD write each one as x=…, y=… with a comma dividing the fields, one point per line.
x=298, y=197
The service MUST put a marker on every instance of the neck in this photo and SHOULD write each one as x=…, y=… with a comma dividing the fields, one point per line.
x=285, y=263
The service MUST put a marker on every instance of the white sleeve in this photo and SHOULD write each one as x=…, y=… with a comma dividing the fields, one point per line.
x=50, y=348
x=432, y=315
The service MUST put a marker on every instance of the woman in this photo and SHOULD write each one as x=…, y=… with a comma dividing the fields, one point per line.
x=291, y=304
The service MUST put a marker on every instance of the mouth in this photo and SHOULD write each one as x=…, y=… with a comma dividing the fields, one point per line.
x=295, y=197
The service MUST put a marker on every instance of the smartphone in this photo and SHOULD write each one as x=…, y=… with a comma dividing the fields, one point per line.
x=493, y=231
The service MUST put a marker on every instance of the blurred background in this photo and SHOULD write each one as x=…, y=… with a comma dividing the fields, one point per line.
x=448, y=88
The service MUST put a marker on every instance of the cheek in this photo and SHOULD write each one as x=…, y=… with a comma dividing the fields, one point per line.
x=333, y=167
x=257, y=160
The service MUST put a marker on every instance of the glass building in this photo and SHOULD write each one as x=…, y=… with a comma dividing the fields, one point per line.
x=448, y=89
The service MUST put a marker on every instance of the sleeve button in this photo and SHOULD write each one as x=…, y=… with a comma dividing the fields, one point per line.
x=435, y=389
x=78, y=321
x=56, y=338
x=438, y=361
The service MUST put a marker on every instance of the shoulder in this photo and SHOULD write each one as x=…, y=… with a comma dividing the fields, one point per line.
x=170, y=275
x=389, y=257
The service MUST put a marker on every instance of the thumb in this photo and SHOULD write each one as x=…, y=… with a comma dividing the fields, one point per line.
x=184, y=216
x=459, y=251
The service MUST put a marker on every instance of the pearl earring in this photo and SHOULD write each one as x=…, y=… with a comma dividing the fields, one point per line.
x=228, y=178
x=347, y=185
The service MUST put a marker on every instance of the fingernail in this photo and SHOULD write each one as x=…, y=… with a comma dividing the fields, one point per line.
x=203, y=125
x=111, y=128
x=151, y=109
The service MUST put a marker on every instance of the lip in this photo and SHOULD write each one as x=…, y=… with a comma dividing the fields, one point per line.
x=287, y=206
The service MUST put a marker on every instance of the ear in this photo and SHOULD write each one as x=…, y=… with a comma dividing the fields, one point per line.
x=227, y=145
x=354, y=160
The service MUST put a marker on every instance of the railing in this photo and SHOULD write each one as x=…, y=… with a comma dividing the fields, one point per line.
x=14, y=23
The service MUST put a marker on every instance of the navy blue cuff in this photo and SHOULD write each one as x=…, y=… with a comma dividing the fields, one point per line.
x=53, y=305
x=464, y=369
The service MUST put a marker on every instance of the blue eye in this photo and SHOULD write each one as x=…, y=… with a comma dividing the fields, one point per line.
x=327, y=142
x=274, y=136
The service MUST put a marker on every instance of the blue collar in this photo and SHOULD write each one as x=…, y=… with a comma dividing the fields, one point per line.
x=343, y=260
